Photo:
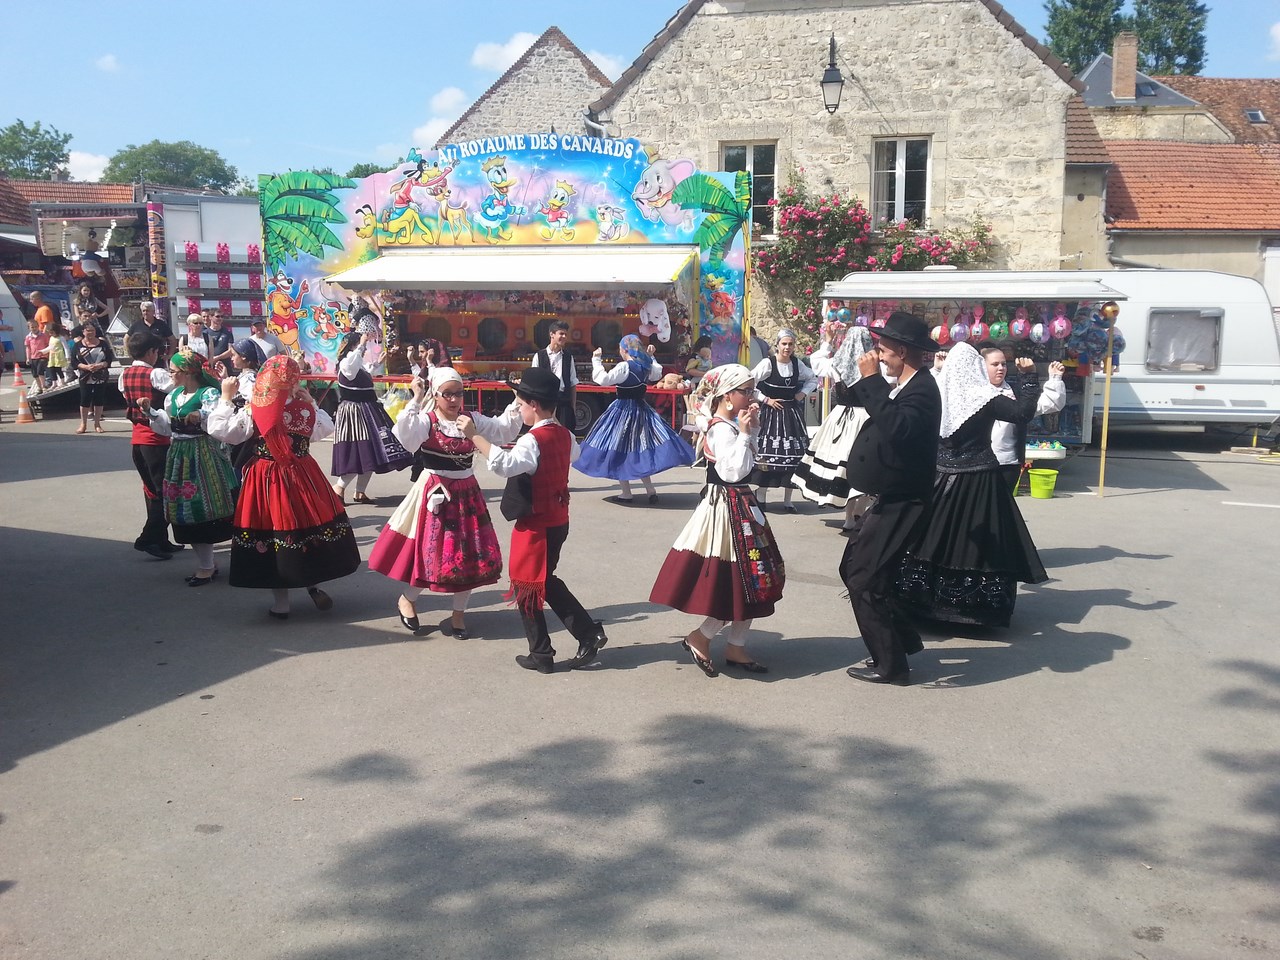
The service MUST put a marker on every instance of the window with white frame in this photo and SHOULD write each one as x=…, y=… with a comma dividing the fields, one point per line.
x=759, y=160
x=900, y=179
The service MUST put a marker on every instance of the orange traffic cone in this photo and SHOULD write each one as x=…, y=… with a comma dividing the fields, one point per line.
x=24, y=409
x=17, y=375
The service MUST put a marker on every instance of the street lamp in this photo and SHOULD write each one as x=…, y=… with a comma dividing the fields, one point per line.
x=832, y=82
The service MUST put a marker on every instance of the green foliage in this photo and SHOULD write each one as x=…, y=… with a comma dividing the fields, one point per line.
x=1078, y=30
x=726, y=211
x=825, y=238
x=296, y=208
x=362, y=170
x=1170, y=35
x=32, y=152
x=180, y=164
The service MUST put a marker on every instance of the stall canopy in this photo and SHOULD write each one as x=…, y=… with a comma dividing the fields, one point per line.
x=654, y=267
x=968, y=285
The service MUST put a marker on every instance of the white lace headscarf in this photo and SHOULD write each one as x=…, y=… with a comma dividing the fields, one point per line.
x=965, y=387
x=857, y=341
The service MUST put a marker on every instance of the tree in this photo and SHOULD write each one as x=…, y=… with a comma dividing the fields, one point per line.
x=34, y=152
x=362, y=170
x=1170, y=35
x=1078, y=30
x=181, y=164
x=297, y=208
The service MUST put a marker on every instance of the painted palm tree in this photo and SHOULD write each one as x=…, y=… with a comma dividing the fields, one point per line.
x=726, y=211
x=297, y=208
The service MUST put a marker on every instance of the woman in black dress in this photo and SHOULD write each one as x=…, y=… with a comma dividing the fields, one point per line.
x=976, y=549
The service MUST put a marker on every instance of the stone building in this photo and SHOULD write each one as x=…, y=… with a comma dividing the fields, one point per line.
x=950, y=111
x=548, y=87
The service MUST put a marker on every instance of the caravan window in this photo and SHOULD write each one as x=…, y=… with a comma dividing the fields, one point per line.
x=1183, y=341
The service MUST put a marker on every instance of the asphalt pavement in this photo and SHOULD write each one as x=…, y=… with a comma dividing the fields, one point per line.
x=181, y=776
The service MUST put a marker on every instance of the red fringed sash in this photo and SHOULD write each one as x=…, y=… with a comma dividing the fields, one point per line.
x=527, y=563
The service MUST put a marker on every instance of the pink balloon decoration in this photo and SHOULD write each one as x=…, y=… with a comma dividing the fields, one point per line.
x=960, y=332
x=978, y=311
x=1020, y=329
x=979, y=331
x=1059, y=327
x=941, y=334
x=878, y=322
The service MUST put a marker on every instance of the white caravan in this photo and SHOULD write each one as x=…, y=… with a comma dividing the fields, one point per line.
x=1200, y=347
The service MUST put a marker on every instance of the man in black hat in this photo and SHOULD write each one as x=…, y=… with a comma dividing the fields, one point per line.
x=537, y=499
x=894, y=458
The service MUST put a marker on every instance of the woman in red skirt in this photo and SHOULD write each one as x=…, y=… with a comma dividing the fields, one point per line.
x=725, y=564
x=441, y=538
x=290, y=528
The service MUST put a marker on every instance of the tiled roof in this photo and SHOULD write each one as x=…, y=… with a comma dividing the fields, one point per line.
x=687, y=12
x=552, y=35
x=14, y=208
x=1097, y=88
x=1228, y=99
x=1167, y=185
x=1083, y=143
x=55, y=191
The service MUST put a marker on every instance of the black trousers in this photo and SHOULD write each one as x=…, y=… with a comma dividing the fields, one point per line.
x=565, y=412
x=562, y=602
x=868, y=567
x=149, y=462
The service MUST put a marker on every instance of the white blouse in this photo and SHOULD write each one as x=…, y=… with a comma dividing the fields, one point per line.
x=619, y=372
x=230, y=425
x=733, y=451
x=414, y=427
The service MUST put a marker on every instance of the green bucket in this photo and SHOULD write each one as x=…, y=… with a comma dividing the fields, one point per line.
x=1043, y=482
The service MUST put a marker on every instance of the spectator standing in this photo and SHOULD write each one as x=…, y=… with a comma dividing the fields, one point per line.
x=37, y=344
x=220, y=338
x=194, y=338
x=93, y=358
x=268, y=343
x=150, y=323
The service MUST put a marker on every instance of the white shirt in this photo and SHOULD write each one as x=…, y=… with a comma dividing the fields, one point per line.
x=353, y=362
x=1004, y=439
x=618, y=373
x=554, y=356
x=269, y=342
x=230, y=425
x=807, y=381
x=523, y=457
x=414, y=427
x=160, y=378
x=733, y=451
x=197, y=343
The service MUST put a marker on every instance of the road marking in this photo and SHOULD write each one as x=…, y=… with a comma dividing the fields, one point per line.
x=1237, y=503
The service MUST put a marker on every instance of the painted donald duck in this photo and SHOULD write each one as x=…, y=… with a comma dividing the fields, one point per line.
x=556, y=210
x=497, y=208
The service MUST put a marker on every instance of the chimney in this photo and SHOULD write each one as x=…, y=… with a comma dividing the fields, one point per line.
x=1124, y=67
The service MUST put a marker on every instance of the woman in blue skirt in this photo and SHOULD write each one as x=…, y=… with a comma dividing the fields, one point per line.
x=631, y=441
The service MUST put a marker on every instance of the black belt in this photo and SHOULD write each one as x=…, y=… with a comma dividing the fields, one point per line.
x=632, y=393
x=357, y=394
x=434, y=460
x=301, y=445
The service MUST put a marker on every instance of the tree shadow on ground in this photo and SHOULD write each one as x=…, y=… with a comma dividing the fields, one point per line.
x=703, y=829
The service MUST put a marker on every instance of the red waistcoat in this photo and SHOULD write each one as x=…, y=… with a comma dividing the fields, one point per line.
x=551, y=479
x=137, y=386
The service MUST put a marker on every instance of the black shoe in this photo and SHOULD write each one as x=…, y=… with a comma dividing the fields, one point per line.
x=653, y=499
x=154, y=550
x=198, y=581
x=870, y=676
x=173, y=547
x=620, y=501
x=321, y=599
x=600, y=640
x=410, y=623
x=706, y=666
x=541, y=664
x=449, y=630
x=750, y=666
x=278, y=614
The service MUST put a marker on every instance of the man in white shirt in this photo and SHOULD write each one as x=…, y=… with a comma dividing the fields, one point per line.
x=268, y=343
x=559, y=361
x=1009, y=440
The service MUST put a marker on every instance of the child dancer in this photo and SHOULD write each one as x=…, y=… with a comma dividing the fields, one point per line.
x=631, y=441
x=199, y=482
x=542, y=523
x=290, y=528
x=363, y=443
x=725, y=564
x=782, y=383
x=144, y=386
x=441, y=538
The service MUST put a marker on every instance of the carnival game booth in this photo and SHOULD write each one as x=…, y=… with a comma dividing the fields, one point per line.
x=482, y=245
x=1046, y=316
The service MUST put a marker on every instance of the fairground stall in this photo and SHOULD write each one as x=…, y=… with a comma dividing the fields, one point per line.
x=482, y=245
x=1045, y=316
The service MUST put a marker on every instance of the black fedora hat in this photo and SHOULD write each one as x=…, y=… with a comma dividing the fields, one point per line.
x=540, y=386
x=908, y=330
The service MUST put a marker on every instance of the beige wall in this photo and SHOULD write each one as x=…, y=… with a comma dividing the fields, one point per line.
x=1240, y=253
x=1146, y=123
x=1084, y=242
x=552, y=89
x=946, y=69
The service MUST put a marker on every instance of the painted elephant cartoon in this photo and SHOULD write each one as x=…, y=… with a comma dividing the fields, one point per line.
x=653, y=192
x=654, y=319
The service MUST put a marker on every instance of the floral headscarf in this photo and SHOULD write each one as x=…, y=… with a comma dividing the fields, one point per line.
x=188, y=361
x=965, y=387
x=633, y=348
x=719, y=381
x=272, y=389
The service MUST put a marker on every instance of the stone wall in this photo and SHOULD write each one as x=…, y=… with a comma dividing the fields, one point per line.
x=551, y=88
x=749, y=70
x=1084, y=232
x=1146, y=123
x=1238, y=253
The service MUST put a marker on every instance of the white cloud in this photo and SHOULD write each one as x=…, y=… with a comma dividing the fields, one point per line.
x=389, y=153
x=107, y=63
x=86, y=166
x=448, y=101
x=610, y=66
x=1275, y=42
x=498, y=56
x=425, y=136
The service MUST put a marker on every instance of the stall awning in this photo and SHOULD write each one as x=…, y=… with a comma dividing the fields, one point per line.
x=970, y=285
x=521, y=268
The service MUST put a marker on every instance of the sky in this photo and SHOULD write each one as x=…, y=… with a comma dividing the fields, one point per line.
x=291, y=85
